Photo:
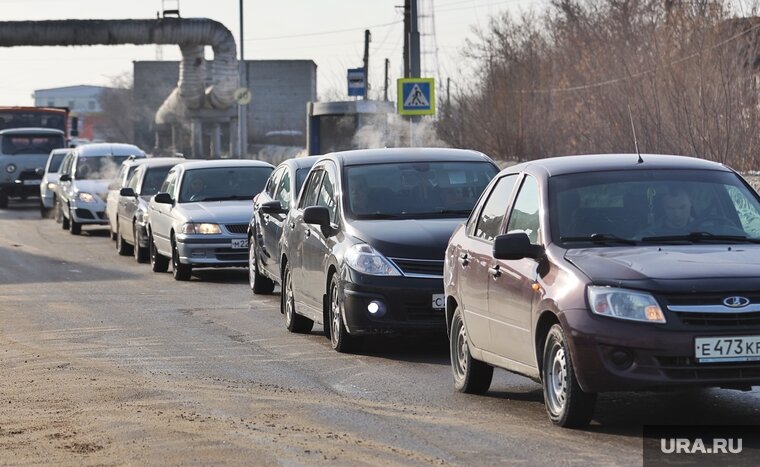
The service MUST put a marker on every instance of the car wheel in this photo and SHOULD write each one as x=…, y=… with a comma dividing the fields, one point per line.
x=471, y=376
x=259, y=283
x=158, y=262
x=3, y=200
x=340, y=339
x=293, y=321
x=566, y=403
x=44, y=212
x=122, y=247
x=182, y=272
x=75, y=228
x=141, y=253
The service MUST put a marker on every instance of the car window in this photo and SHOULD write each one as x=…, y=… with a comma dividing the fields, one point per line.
x=524, y=215
x=55, y=162
x=283, y=193
x=168, y=185
x=153, y=180
x=133, y=180
x=311, y=189
x=66, y=164
x=491, y=216
x=98, y=167
x=271, y=185
x=222, y=183
x=326, y=196
x=121, y=177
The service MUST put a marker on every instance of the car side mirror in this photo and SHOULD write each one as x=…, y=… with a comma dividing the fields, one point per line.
x=65, y=178
x=515, y=246
x=163, y=198
x=318, y=215
x=129, y=192
x=272, y=207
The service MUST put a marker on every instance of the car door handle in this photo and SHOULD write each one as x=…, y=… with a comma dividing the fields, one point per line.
x=494, y=271
x=266, y=218
x=464, y=260
x=292, y=225
x=308, y=232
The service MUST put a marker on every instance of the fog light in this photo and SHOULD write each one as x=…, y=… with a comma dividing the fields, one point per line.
x=376, y=308
x=621, y=358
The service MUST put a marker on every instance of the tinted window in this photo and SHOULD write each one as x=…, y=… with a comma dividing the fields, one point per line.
x=271, y=184
x=168, y=185
x=524, y=216
x=55, y=162
x=636, y=204
x=283, y=194
x=300, y=178
x=223, y=183
x=31, y=144
x=154, y=178
x=311, y=190
x=326, y=196
x=415, y=189
x=495, y=209
x=98, y=167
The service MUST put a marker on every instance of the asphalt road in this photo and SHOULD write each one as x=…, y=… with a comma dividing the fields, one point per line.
x=209, y=350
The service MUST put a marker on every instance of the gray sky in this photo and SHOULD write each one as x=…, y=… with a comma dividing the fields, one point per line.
x=331, y=32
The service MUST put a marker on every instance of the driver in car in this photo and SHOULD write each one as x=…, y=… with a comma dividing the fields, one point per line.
x=677, y=218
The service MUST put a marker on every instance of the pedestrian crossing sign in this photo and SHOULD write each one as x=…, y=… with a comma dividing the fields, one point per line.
x=416, y=96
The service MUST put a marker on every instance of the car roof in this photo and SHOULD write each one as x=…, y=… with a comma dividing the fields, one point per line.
x=400, y=155
x=607, y=162
x=60, y=151
x=109, y=149
x=189, y=165
x=160, y=161
x=300, y=162
x=48, y=131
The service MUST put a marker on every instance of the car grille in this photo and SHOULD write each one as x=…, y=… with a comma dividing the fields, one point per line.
x=421, y=309
x=686, y=368
x=236, y=228
x=229, y=254
x=419, y=267
x=29, y=174
x=719, y=318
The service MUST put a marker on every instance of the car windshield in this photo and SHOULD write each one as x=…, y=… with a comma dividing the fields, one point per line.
x=652, y=207
x=223, y=183
x=98, y=167
x=31, y=144
x=154, y=177
x=55, y=162
x=415, y=189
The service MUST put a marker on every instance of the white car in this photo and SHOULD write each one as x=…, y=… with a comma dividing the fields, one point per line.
x=83, y=185
x=126, y=170
x=50, y=180
x=200, y=216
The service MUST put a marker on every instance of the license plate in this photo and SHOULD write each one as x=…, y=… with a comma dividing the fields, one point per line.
x=439, y=301
x=727, y=349
x=32, y=182
x=240, y=243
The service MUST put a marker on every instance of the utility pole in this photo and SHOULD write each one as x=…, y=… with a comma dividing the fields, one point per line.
x=242, y=109
x=367, y=40
x=411, y=40
x=387, y=65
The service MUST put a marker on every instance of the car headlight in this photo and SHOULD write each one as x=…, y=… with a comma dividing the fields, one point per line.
x=201, y=228
x=366, y=260
x=51, y=186
x=85, y=197
x=624, y=304
x=10, y=168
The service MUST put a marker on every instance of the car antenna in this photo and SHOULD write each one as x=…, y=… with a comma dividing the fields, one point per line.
x=635, y=141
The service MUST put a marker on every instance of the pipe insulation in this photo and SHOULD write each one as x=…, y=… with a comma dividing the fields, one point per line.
x=191, y=34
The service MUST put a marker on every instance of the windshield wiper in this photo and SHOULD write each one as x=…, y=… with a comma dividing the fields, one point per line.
x=600, y=238
x=380, y=215
x=696, y=237
x=224, y=198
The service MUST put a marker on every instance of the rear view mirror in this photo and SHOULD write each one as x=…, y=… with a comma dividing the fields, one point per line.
x=163, y=198
x=129, y=192
x=515, y=246
x=65, y=178
x=272, y=207
x=318, y=215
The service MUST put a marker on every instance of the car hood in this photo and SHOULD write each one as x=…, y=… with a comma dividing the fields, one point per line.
x=407, y=238
x=220, y=212
x=95, y=187
x=678, y=268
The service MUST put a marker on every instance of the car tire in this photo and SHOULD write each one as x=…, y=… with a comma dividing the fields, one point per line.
x=566, y=403
x=122, y=247
x=293, y=321
x=75, y=228
x=141, y=253
x=181, y=272
x=3, y=201
x=340, y=339
x=259, y=284
x=64, y=220
x=158, y=262
x=44, y=212
x=471, y=376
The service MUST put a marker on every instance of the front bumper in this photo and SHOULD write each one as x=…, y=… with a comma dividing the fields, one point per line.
x=658, y=356
x=23, y=188
x=404, y=304
x=212, y=250
x=89, y=213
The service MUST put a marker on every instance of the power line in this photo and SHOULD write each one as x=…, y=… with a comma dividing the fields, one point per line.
x=322, y=33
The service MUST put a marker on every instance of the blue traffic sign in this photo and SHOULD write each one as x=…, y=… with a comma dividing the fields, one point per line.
x=357, y=84
x=416, y=96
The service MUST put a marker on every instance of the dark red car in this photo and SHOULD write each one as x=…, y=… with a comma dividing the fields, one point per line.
x=607, y=273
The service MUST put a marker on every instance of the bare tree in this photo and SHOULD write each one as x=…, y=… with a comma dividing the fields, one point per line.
x=118, y=109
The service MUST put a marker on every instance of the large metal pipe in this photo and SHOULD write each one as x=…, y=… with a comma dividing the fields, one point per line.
x=190, y=34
